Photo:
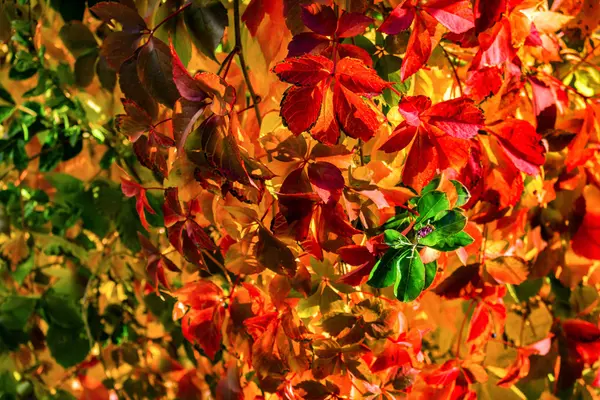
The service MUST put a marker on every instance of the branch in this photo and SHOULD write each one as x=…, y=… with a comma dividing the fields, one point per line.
x=238, y=45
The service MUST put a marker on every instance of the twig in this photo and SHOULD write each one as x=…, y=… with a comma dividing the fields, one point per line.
x=227, y=62
x=169, y=17
x=238, y=44
x=456, y=78
x=219, y=264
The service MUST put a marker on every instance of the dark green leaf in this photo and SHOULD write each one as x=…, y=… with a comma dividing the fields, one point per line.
x=85, y=68
x=6, y=112
x=411, y=277
x=68, y=346
x=61, y=310
x=388, y=68
x=206, y=22
x=15, y=311
x=69, y=9
x=106, y=74
x=6, y=96
x=23, y=269
x=77, y=37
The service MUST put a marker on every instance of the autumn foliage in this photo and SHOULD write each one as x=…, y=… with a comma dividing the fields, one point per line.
x=300, y=199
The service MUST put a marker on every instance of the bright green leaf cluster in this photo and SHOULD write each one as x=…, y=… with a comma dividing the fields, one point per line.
x=433, y=223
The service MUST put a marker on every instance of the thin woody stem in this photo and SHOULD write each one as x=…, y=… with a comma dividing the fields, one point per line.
x=454, y=72
x=238, y=45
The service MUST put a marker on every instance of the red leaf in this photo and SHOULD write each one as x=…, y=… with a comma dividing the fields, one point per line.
x=418, y=49
x=445, y=375
x=459, y=118
x=327, y=180
x=519, y=369
x=421, y=165
x=135, y=123
x=483, y=82
x=204, y=327
x=399, y=20
x=457, y=16
x=320, y=19
x=355, y=254
x=188, y=87
x=495, y=45
x=132, y=189
x=581, y=331
x=119, y=46
x=411, y=108
x=358, y=78
x=352, y=24
x=326, y=129
x=155, y=71
x=401, y=137
x=586, y=241
x=200, y=294
x=355, y=117
x=307, y=70
x=129, y=18
x=394, y=355
x=172, y=208
x=522, y=144
x=301, y=107
x=480, y=323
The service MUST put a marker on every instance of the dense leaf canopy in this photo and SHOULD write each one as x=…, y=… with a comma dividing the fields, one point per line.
x=299, y=199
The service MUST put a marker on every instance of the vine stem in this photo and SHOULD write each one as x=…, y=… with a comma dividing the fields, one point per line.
x=177, y=12
x=456, y=78
x=238, y=45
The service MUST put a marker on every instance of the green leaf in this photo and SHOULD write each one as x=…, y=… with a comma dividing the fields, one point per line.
x=85, y=68
x=23, y=270
x=6, y=112
x=77, y=37
x=462, y=192
x=68, y=346
x=385, y=271
x=453, y=242
x=430, y=205
x=206, y=21
x=411, y=278
x=388, y=68
x=432, y=185
x=62, y=311
x=64, y=183
x=395, y=239
x=430, y=272
x=15, y=311
x=446, y=224
x=6, y=96
x=398, y=222
x=53, y=243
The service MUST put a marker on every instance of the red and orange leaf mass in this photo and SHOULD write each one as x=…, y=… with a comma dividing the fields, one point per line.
x=300, y=199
